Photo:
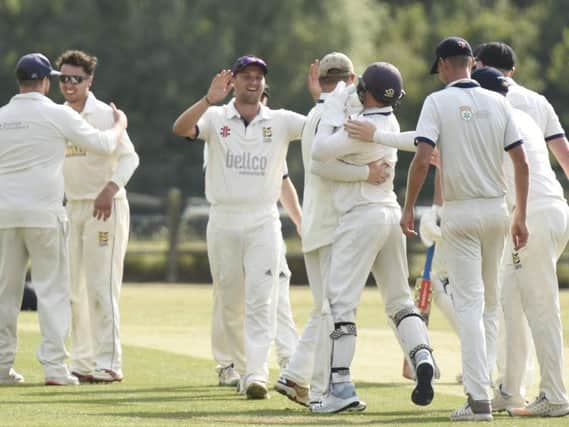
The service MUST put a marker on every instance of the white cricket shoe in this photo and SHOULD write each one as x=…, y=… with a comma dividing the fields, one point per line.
x=340, y=397
x=107, y=376
x=257, y=390
x=227, y=375
x=467, y=412
x=295, y=392
x=504, y=401
x=541, y=407
x=65, y=380
x=12, y=378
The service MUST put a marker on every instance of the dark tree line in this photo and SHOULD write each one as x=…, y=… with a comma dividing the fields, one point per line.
x=158, y=56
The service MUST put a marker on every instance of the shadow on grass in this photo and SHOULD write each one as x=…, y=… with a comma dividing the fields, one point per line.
x=293, y=417
x=99, y=389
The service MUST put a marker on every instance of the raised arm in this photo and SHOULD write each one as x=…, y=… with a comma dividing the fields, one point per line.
x=185, y=124
x=313, y=82
x=367, y=132
x=76, y=130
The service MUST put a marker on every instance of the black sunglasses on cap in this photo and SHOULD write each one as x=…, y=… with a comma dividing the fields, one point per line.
x=66, y=78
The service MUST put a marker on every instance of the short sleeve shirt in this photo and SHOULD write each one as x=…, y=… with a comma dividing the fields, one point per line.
x=245, y=164
x=538, y=107
x=472, y=127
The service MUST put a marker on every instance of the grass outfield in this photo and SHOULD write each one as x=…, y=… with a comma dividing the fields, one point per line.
x=170, y=378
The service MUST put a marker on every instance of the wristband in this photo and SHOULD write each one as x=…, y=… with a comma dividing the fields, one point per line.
x=207, y=101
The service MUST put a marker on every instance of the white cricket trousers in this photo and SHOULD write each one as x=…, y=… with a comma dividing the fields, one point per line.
x=244, y=249
x=310, y=364
x=286, y=337
x=47, y=249
x=97, y=251
x=530, y=294
x=474, y=232
x=368, y=238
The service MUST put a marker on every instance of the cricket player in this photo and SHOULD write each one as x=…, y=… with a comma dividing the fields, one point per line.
x=368, y=238
x=429, y=229
x=33, y=225
x=306, y=377
x=472, y=128
x=429, y=223
x=247, y=144
x=548, y=221
x=99, y=219
x=501, y=56
x=286, y=337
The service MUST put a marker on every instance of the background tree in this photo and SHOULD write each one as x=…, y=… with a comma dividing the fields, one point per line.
x=158, y=56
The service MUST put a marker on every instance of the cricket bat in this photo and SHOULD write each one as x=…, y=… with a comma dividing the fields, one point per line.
x=423, y=292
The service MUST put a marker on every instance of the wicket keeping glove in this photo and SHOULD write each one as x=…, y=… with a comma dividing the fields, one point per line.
x=429, y=229
x=334, y=113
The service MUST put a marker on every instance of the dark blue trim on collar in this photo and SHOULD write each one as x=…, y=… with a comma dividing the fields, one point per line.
x=465, y=85
x=320, y=101
x=514, y=145
x=557, y=135
x=424, y=140
x=378, y=114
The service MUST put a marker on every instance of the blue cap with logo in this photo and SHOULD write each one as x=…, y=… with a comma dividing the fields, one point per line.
x=492, y=79
x=451, y=46
x=245, y=61
x=34, y=66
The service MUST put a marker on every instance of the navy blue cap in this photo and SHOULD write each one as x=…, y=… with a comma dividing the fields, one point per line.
x=492, y=79
x=34, y=66
x=244, y=61
x=451, y=46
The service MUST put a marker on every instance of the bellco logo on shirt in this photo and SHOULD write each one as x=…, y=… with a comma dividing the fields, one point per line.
x=246, y=163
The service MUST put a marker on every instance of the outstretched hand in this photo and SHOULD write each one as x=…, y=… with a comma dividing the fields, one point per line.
x=313, y=82
x=119, y=116
x=220, y=86
x=360, y=129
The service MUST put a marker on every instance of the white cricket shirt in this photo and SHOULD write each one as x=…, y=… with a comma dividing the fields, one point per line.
x=538, y=107
x=543, y=183
x=471, y=127
x=87, y=173
x=33, y=135
x=319, y=217
x=245, y=164
x=328, y=145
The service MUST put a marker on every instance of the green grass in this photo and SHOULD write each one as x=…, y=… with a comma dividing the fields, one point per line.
x=170, y=378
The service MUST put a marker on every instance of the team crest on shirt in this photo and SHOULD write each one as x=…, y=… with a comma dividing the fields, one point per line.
x=225, y=131
x=74, y=151
x=103, y=238
x=268, y=134
x=466, y=113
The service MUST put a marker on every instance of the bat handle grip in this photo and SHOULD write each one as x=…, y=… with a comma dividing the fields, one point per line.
x=429, y=262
